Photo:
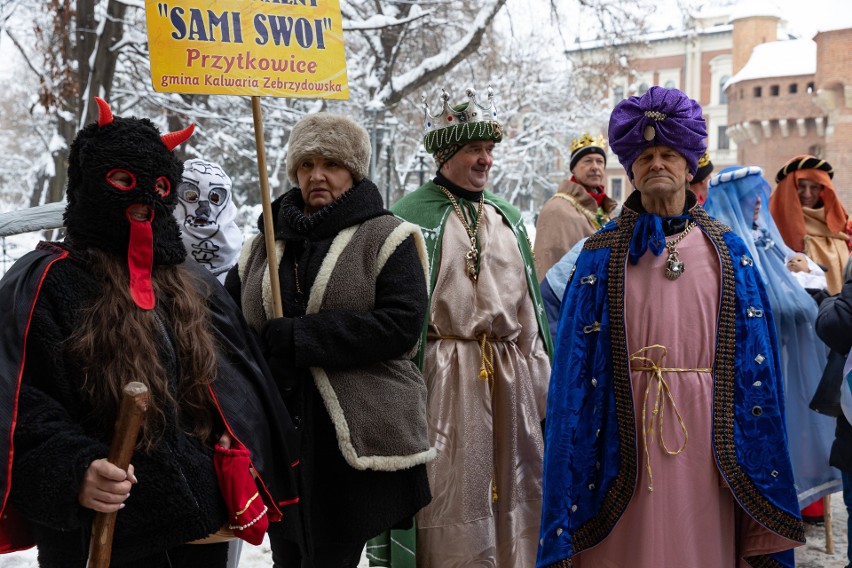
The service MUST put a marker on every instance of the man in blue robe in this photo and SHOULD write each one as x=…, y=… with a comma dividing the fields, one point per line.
x=677, y=462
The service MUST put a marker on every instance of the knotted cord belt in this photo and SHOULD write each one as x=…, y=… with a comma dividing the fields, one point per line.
x=486, y=373
x=663, y=392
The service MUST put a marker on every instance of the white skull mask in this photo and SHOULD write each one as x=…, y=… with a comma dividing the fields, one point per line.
x=204, y=194
x=207, y=215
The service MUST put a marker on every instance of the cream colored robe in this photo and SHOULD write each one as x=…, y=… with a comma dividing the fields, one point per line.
x=488, y=437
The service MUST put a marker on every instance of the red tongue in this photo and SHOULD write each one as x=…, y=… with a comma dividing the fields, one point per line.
x=140, y=260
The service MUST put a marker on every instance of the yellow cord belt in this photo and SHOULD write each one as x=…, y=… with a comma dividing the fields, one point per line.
x=486, y=373
x=663, y=392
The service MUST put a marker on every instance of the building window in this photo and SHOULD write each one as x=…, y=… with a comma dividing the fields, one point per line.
x=670, y=84
x=617, y=95
x=724, y=141
x=794, y=88
x=643, y=88
x=723, y=96
x=774, y=90
x=810, y=87
x=616, y=188
x=758, y=92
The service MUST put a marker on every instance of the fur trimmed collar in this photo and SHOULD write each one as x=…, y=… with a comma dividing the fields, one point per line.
x=358, y=204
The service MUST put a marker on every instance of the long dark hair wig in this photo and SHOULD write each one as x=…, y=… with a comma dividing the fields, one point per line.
x=118, y=342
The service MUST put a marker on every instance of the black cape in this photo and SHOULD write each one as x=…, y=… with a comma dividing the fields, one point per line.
x=247, y=398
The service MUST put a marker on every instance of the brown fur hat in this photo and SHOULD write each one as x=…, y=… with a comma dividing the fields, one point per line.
x=333, y=137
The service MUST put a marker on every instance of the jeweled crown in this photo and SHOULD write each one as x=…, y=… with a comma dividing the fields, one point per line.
x=462, y=123
x=473, y=111
x=586, y=140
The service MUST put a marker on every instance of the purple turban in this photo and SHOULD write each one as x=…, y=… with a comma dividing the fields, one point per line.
x=660, y=117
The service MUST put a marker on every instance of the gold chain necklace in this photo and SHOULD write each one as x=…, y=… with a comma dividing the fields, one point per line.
x=674, y=267
x=471, y=258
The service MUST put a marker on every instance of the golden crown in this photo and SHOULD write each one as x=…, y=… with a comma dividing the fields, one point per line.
x=704, y=160
x=586, y=140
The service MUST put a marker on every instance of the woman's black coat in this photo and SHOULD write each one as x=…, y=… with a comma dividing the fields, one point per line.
x=344, y=505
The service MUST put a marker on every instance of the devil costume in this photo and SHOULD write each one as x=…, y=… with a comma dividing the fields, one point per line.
x=50, y=432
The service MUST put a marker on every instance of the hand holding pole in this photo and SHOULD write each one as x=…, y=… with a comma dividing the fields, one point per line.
x=134, y=404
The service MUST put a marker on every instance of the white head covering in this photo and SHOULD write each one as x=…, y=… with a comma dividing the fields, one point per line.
x=207, y=216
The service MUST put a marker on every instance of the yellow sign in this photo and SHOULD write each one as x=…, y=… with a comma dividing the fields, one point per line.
x=282, y=48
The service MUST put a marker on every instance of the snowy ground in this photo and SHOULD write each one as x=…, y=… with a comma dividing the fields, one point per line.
x=252, y=557
x=812, y=555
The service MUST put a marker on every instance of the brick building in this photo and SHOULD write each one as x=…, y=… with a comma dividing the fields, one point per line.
x=697, y=60
x=790, y=97
x=766, y=95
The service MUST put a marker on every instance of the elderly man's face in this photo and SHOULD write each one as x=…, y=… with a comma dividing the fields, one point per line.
x=589, y=170
x=809, y=192
x=469, y=167
x=660, y=171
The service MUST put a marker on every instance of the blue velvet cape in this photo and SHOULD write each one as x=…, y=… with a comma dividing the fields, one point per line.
x=591, y=448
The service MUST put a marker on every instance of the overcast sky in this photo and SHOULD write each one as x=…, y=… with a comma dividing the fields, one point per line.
x=805, y=18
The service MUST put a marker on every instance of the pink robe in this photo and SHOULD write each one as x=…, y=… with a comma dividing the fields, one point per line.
x=690, y=519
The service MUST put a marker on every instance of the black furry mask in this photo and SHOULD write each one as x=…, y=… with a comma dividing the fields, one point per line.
x=132, y=149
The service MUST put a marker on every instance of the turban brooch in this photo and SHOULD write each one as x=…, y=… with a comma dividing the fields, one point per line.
x=660, y=117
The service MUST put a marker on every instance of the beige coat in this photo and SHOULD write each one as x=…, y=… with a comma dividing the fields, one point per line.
x=825, y=247
x=566, y=218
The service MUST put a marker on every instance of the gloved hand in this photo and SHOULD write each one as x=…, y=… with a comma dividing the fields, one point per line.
x=278, y=349
x=277, y=337
x=817, y=294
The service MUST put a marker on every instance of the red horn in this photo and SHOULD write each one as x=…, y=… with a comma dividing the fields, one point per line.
x=104, y=112
x=173, y=139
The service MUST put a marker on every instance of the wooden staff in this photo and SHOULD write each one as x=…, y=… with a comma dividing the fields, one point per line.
x=266, y=202
x=134, y=404
x=826, y=516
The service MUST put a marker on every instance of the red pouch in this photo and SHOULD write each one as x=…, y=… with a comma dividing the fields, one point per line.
x=246, y=509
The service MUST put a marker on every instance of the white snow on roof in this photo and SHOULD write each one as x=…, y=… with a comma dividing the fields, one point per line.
x=755, y=8
x=779, y=59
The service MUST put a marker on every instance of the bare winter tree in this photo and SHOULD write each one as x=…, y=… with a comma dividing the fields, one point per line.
x=72, y=48
x=397, y=50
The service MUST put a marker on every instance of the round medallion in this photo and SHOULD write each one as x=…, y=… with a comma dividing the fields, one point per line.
x=650, y=132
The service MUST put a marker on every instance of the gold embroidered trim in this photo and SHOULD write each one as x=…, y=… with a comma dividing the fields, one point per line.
x=573, y=201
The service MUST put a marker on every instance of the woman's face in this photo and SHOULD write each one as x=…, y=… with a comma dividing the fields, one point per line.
x=322, y=181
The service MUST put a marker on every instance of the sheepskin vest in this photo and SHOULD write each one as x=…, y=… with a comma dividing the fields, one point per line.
x=378, y=410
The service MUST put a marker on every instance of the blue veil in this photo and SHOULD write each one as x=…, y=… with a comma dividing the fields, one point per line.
x=731, y=199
